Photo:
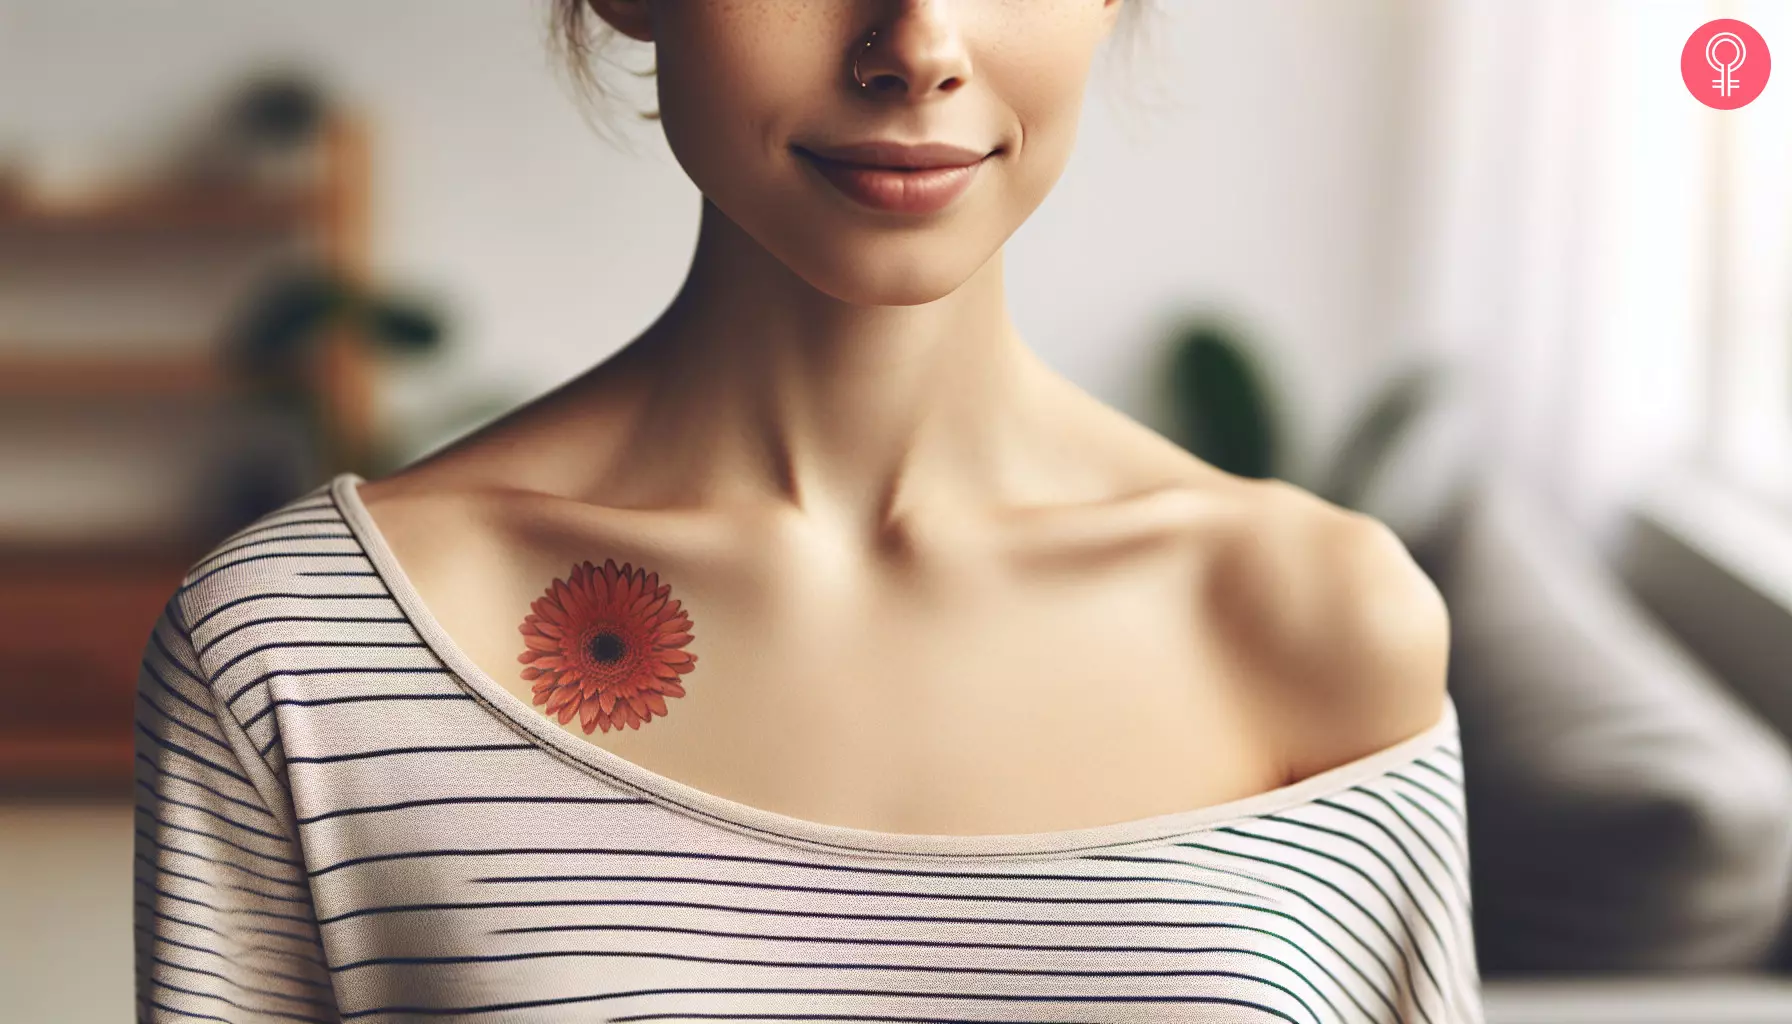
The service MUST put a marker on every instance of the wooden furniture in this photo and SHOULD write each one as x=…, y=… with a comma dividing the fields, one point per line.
x=75, y=618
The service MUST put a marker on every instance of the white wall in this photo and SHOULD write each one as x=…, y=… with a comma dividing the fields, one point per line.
x=65, y=911
x=1255, y=164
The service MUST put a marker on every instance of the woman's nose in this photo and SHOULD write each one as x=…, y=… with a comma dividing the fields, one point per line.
x=914, y=52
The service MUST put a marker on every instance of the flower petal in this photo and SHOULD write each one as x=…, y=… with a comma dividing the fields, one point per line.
x=550, y=610
x=615, y=579
x=564, y=596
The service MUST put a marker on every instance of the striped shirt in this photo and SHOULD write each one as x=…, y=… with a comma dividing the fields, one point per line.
x=340, y=817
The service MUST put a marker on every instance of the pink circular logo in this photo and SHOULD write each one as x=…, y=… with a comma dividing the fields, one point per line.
x=1725, y=63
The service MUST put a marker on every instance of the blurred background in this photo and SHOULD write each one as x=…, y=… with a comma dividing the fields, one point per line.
x=1482, y=268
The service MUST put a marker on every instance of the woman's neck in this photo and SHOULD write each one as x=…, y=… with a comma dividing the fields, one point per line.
x=754, y=380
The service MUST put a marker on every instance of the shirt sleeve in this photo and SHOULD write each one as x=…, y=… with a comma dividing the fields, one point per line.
x=224, y=923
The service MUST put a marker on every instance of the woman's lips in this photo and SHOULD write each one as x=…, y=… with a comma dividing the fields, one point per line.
x=893, y=189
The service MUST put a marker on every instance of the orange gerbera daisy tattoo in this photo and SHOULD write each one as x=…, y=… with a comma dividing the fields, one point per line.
x=604, y=645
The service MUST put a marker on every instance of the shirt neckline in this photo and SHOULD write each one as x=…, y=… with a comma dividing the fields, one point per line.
x=774, y=826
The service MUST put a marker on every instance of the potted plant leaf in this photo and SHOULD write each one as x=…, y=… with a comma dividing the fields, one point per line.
x=283, y=342
x=1227, y=412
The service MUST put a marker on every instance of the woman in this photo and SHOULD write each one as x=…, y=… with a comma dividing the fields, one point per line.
x=821, y=655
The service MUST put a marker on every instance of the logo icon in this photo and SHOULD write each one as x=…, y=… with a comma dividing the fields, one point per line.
x=1725, y=64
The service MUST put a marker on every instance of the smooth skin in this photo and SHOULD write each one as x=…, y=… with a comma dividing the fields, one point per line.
x=932, y=585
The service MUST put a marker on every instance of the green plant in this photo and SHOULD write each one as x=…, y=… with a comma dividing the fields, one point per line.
x=1223, y=407
x=276, y=344
x=298, y=307
x=1227, y=413
x=1377, y=433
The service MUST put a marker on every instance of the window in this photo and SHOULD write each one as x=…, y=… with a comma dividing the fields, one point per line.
x=1749, y=417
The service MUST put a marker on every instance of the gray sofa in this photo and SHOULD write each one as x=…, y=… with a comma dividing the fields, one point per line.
x=1630, y=817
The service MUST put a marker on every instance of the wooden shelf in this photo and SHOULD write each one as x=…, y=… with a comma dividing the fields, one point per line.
x=72, y=635
x=75, y=622
x=182, y=210
x=86, y=378
x=88, y=764
x=162, y=558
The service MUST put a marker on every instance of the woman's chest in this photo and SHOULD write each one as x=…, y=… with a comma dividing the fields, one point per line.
x=942, y=689
x=954, y=706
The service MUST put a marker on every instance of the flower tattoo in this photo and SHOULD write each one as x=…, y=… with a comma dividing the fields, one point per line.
x=604, y=645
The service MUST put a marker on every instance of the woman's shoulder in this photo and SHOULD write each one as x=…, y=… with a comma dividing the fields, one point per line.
x=1349, y=630
x=277, y=586
x=269, y=552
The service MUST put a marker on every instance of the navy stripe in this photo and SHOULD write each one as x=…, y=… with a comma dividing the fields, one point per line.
x=249, y=545
x=881, y=993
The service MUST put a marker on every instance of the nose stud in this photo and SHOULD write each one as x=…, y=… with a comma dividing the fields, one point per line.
x=855, y=60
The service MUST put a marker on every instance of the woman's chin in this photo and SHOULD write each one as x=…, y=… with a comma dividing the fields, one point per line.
x=866, y=282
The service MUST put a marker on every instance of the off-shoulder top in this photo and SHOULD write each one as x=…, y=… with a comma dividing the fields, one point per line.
x=341, y=817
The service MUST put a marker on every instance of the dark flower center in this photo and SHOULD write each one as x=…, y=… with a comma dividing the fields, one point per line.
x=605, y=648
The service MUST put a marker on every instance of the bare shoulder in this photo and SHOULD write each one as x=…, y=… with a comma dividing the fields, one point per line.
x=1352, y=635
x=436, y=525
x=411, y=506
